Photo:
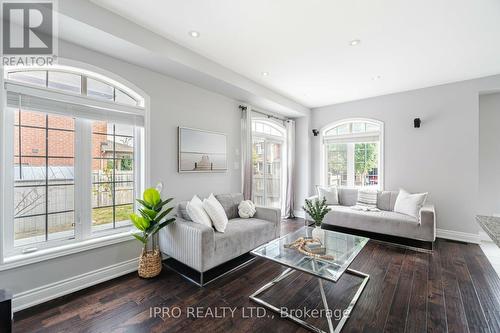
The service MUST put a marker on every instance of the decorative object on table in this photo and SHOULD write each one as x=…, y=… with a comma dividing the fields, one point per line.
x=151, y=220
x=246, y=209
x=316, y=209
x=310, y=247
x=490, y=225
x=5, y=311
x=202, y=151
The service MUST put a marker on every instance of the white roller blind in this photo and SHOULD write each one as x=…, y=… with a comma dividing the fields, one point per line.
x=43, y=100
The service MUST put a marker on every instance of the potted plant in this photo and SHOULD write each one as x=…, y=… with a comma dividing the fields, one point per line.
x=152, y=218
x=317, y=209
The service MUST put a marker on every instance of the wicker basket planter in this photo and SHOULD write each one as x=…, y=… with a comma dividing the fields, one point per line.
x=149, y=264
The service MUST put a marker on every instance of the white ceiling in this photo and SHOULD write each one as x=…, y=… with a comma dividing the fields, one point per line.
x=304, y=45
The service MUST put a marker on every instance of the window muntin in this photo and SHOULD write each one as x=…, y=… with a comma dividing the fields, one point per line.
x=43, y=178
x=352, y=153
x=75, y=83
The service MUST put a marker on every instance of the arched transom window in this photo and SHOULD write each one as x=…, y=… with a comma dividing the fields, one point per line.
x=75, y=81
x=267, y=128
x=352, y=153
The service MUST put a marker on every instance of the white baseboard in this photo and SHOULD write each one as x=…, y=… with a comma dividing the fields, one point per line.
x=458, y=236
x=50, y=291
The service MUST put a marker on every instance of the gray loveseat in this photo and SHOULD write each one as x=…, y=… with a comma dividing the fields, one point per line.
x=385, y=221
x=202, y=248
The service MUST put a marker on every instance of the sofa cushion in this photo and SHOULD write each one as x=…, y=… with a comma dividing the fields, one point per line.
x=348, y=196
x=230, y=203
x=386, y=200
x=182, y=211
x=242, y=236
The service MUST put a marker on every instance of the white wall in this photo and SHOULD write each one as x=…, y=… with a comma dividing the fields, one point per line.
x=442, y=157
x=489, y=154
x=173, y=103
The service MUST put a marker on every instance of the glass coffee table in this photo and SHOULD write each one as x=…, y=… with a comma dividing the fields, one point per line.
x=341, y=250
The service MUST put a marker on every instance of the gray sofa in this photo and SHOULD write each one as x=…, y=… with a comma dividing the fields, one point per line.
x=386, y=221
x=202, y=248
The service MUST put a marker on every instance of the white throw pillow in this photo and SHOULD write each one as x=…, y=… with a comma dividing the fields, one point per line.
x=330, y=193
x=196, y=212
x=246, y=209
x=367, y=200
x=410, y=204
x=216, y=212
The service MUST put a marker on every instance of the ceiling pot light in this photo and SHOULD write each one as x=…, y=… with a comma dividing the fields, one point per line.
x=194, y=34
x=354, y=42
x=265, y=73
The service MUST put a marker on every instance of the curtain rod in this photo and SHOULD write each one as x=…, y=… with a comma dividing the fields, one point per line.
x=242, y=108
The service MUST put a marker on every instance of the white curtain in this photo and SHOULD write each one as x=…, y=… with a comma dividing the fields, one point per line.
x=246, y=153
x=288, y=202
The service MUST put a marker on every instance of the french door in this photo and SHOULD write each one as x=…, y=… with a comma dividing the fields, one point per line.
x=267, y=172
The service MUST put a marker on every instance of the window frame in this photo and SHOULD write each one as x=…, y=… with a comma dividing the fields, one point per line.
x=84, y=239
x=274, y=139
x=350, y=139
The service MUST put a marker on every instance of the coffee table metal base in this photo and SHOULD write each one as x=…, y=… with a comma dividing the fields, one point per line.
x=299, y=321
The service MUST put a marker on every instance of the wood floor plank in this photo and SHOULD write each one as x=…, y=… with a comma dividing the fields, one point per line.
x=476, y=318
x=455, y=289
x=436, y=310
x=396, y=320
x=456, y=318
x=487, y=288
x=416, y=320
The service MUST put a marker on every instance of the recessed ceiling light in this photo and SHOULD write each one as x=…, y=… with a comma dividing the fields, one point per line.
x=354, y=42
x=265, y=73
x=194, y=34
x=378, y=77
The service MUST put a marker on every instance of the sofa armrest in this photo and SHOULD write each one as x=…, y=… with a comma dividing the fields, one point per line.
x=314, y=197
x=188, y=242
x=272, y=215
x=428, y=220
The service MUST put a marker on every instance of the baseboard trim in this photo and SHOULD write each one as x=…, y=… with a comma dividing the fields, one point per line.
x=458, y=236
x=51, y=291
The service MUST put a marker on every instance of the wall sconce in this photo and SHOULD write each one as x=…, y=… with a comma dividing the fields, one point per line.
x=417, y=122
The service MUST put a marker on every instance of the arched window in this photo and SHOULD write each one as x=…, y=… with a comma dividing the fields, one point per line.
x=268, y=155
x=352, y=151
x=73, y=156
x=75, y=81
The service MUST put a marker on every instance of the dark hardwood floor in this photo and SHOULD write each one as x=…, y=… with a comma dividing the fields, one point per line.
x=455, y=289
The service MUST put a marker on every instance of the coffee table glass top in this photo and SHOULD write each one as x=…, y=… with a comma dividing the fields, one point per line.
x=342, y=247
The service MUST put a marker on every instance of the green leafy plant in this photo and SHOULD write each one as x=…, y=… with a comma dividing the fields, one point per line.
x=152, y=216
x=316, y=209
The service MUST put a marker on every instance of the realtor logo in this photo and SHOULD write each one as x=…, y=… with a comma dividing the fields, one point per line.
x=28, y=32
